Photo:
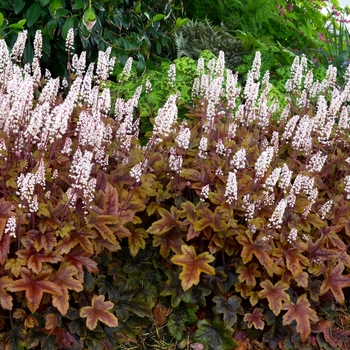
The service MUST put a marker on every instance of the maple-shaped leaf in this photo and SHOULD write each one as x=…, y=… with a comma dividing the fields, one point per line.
x=248, y=274
x=215, y=334
x=5, y=298
x=168, y=241
x=259, y=250
x=173, y=287
x=192, y=265
x=335, y=281
x=178, y=318
x=64, y=277
x=228, y=307
x=137, y=240
x=46, y=241
x=275, y=294
x=35, y=259
x=82, y=237
x=217, y=220
x=168, y=221
x=191, y=211
x=98, y=311
x=35, y=286
x=255, y=319
x=302, y=314
x=79, y=258
x=295, y=260
x=102, y=224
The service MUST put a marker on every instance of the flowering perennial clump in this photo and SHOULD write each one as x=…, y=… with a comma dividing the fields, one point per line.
x=240, y=201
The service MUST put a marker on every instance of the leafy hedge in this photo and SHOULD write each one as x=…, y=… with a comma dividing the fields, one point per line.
x=230, y=227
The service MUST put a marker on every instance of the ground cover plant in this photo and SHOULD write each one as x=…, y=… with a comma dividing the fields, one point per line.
x=228, y=228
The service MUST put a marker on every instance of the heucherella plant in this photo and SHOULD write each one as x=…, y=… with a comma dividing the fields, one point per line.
x=230, y=227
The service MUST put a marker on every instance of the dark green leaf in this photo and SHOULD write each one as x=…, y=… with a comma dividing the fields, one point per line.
x=33, y=338
x=173, y=287
x=141, y=65
x=54, y=6
x=228, y=307
x=18, y=6
x=49, y=343
x=215, y=335
x=44, y=2
x=178, y=319
x=71, y=22
x=14, y=338
x=89, y=281
x=78, y=4
x=33, y=14
x=78, y=327
x=198, y=295
x=28, y=53
x=96, y=345
x=61, y=12
x=106, y=287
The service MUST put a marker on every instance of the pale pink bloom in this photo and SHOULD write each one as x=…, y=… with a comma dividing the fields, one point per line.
x=183, y=138
x=344, y=119
x=231, y=188
x=18, y=47
x=302, y=139
x=220, y=148
x=165, y=118
x=326, y=208
x=276, y=219
x=316, y=162
x=175, y=161
x=80, y=169
x=272, y=179
x=308, y=82
x=172, y=75
x=220, y=64
x=285, y=177
x=127, y=68
x=200, y=65
x=11, y=226
x=78, y=64
x=38, y=44
x=205, y=192
x=263, y=162
x=347, y=186
x=203, y=146
x=238, y=161
x=293, y=235
x=70, y=40
x=331, y=75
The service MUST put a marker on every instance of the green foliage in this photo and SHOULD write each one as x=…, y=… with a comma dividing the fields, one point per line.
x=131, y=28
x=197, y=36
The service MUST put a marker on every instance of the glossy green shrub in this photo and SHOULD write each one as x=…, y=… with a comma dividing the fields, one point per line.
x=131, y=28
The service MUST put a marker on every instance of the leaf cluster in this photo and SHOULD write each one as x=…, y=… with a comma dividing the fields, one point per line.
x=243, y=241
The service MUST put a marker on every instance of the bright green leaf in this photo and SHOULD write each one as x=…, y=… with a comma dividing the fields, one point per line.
x=158, y=17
